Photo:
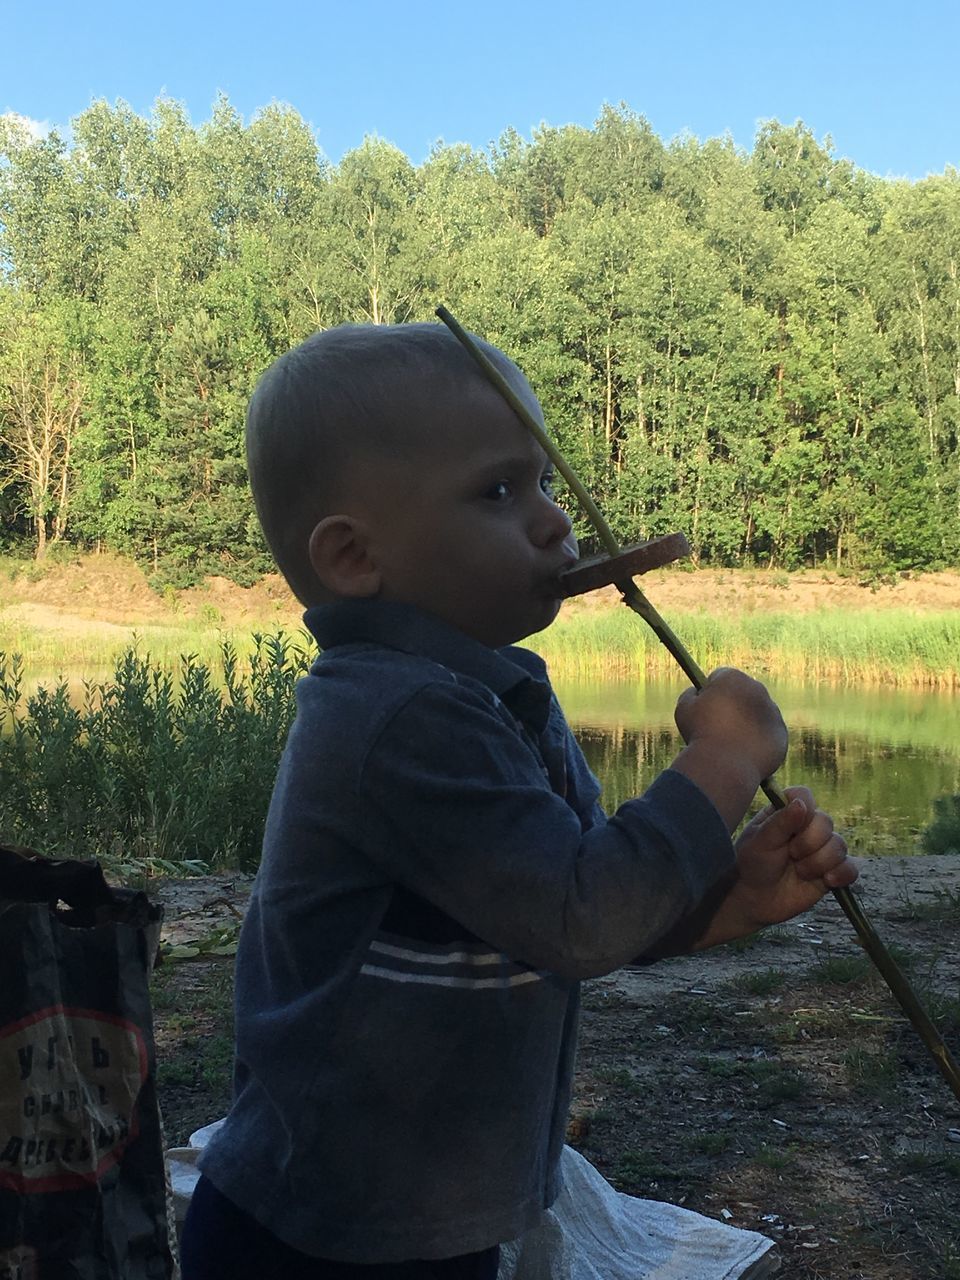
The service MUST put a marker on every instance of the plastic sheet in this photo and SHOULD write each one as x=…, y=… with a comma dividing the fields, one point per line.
x=592, y=1232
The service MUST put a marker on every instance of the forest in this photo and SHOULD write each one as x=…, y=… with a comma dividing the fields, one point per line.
x=761, y=349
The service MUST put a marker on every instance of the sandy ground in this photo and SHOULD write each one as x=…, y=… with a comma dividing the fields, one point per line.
x=897, y=894
x=109, y=596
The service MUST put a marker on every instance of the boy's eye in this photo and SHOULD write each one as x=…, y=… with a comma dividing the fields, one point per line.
x=547, y=483
x=499, y=491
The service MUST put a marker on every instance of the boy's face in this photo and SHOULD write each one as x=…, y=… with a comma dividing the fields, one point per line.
x=467, y=529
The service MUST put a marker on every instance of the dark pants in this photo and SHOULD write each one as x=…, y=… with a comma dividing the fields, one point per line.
x=221, y=1242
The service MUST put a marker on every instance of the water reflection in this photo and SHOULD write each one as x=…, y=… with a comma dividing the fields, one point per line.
x=875, y=758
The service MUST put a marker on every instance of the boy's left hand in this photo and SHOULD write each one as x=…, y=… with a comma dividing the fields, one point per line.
x=787, y=859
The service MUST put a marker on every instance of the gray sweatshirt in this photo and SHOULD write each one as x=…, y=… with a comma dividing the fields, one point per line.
x=437, y=877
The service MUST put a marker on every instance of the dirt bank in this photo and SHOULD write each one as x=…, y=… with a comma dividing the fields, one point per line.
x=110, y=593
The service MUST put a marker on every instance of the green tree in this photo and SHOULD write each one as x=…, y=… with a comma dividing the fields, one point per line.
x=42, y=391
x=374, y=249
x=762, y=348
x=919, y=308
x=792, y=172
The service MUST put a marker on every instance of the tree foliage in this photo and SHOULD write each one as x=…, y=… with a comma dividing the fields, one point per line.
x=761, y=349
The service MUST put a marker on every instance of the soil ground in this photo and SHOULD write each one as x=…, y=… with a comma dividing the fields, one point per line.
x=773, y=1085
x=110, y=595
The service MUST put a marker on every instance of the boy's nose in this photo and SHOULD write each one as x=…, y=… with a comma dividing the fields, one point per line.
x=552, y=524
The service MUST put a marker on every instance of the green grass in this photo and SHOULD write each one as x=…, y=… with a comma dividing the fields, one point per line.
x=894, y=646
x=637, y=1167
x=817, y=1023
x=693, y=1014
x=777, y=1158
x=720, y=1068
x=873, y=1072
x=841, y=971
x=940, y=1162
x=774, y=1082
x=891, y=646
x=709, y=1143
x=762, y=982
x=180, y=1073
x=49, y=656
x=193, y=1022
x=942, y=905
x=944, y=1009
x=621, y=1078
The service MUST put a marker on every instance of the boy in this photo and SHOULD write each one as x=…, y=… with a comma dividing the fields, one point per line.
x=437, y=873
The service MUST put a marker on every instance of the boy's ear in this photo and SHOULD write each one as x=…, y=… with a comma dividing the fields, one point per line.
x=340, y=557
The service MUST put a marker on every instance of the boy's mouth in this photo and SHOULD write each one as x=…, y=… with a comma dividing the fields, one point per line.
x=556, y=582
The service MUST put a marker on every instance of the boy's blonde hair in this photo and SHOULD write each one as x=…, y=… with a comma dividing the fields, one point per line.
x=343, y=393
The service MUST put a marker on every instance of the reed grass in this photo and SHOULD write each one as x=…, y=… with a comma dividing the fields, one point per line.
x=894, y=647
x=79, y=654
x=885, y=646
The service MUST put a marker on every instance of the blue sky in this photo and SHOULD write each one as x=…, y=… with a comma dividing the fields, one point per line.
x=881, y=78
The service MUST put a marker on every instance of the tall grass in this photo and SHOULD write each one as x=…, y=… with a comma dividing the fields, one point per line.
x=852, y=647
x=158, y=768
x=94, y=651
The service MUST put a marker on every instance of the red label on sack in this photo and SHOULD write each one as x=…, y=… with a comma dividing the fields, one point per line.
x=69, y=1083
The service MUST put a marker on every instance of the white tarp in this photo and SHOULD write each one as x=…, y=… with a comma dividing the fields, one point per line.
x=592, y=1232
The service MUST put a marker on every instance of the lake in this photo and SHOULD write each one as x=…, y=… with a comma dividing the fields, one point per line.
x=876, y=758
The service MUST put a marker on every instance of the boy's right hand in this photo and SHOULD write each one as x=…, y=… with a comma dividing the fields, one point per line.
x=735, y=737
x=735, y=713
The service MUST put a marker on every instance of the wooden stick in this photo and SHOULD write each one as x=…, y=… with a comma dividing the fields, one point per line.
x=634, y=599
x=605, y=571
